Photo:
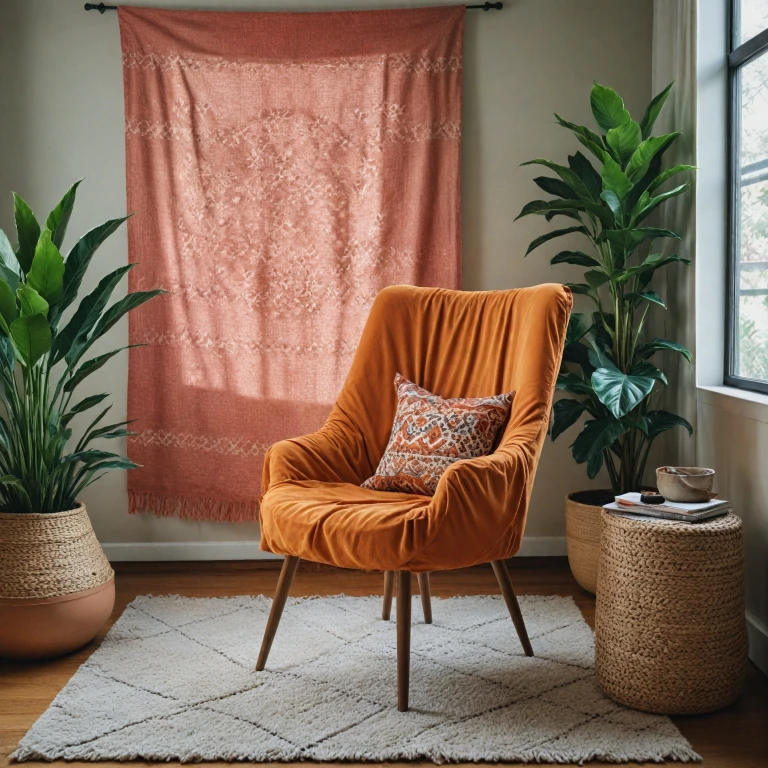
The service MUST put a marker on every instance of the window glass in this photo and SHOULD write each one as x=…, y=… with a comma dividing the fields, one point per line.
x=751, y=19
x=750, y=345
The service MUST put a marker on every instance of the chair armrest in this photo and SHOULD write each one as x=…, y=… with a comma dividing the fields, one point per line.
x=480, y=505
x=331, y=455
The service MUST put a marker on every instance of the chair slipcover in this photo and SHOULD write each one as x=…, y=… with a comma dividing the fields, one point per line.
x=453, y=343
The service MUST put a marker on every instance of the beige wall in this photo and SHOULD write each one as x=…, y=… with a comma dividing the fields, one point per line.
x=62, y=118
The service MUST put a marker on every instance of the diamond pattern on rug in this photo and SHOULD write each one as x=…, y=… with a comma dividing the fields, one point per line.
x=174, y=680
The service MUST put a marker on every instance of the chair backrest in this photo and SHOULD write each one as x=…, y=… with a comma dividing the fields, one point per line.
x=457, y=344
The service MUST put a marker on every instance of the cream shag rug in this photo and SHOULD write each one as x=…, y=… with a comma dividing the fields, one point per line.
x=174, y=680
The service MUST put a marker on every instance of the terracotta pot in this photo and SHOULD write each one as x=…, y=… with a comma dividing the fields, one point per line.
x=582, y=534
x=56, y=585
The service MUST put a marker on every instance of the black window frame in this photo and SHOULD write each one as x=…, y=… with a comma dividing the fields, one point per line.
x=738, y=56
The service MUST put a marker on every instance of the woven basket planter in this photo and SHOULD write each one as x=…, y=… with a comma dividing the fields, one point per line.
x=670, y=632
x=56, y=585
x=582, y=535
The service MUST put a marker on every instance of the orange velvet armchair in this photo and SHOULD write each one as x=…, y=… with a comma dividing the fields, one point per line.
x=456, y=344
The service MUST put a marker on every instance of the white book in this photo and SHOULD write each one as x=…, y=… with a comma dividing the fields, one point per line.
x=670, y=510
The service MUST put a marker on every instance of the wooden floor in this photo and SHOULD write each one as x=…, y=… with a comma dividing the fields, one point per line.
x=735, y=737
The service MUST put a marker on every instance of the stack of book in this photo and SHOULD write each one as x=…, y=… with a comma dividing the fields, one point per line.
x=631, y=504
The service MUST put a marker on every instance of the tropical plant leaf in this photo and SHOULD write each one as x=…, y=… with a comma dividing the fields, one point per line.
x=620, y=392
x=647, y=350
x=651, y=263
x=580, y=288
x=646, y=204
x=47, y=271
x=597, y=436
x=8, y=259
x=623, y=243
x=569, y=176
x=7, y=355
x=578, y=325
x=668, y=174
x=58, y=218
x=7, y=303
x=651, y=296
x=74, y=336
x=27, y=231
x=644, y=368
x=587, y=173
x=653, y=110
x=92, y=365
x=552, y=235
x=594, y=465
x=30, y=301
x=83, y=405
x=588, y=138
x=615, y=180
x=623, y=140
x=120, y=308
x=566, y=413
x=574, y=257
x=607, y=107
x=573, y=384
x=554, y=187
x=80, y=257
x=32, y=336
x=595, y=278
x=661, y=421
x=647, y=150
x=540, y=207
x=600, y=358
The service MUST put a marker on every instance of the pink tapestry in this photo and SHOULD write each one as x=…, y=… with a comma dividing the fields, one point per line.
x=284, y=168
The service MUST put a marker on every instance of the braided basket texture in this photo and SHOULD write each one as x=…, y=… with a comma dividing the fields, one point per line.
x=670, y=632
x=49, y=555
x=582, y=538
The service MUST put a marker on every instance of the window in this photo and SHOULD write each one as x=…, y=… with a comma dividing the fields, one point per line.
x=747, y=307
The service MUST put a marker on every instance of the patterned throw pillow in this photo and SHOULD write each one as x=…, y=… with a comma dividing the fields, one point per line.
x=430, y=433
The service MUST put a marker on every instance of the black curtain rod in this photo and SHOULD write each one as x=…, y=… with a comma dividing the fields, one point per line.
x=100, y=7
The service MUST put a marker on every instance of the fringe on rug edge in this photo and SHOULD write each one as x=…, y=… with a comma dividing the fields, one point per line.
x=193, y=507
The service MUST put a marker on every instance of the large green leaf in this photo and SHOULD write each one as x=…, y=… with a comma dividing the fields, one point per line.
x=7, y=355
x=616, y=186
x=651, y=263
x=644, y=368
x=620, y=392
x=569, y=176
x=578, y=325
x=566, y=413
x=47, y=272
x=58, y=218
x=595, y=278
x=8, y=260
x=80, y=257
x=552, y=235
x=588, y=138
x=540, y=207
x=7, y=303
x=74, y=336
x=668, y=174
x=31, y=302
x=651, y=296
x=624, y=140
x=661, y=421
x=623, y=243
x=92, y=365
x=646, y=204
x=83, y=405
x=594, y=465
x=120, y=308
x=607, y=107
x=587, y=173
x=653, y=110
x=641, y=158
x=27, y=231
x=647, y=350
x=554, y=187
x=573, y=384
x=597, y=436
x=574, y=257
x=32, y=336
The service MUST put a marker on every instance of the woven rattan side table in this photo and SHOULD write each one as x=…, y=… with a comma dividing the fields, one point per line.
x=670, y=632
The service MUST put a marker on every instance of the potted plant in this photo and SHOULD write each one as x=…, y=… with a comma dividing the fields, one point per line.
x=56, y=585
x=609, y=374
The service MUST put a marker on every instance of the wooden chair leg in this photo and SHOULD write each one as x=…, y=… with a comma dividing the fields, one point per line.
x=426, y=603
x=290, y=564
x=403, y=638
x=502, y=576
x=389, y=591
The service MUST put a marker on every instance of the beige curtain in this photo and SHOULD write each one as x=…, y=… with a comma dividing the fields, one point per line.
x=674, y=58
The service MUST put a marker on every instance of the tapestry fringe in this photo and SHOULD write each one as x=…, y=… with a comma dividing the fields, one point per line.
x=193, y=507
